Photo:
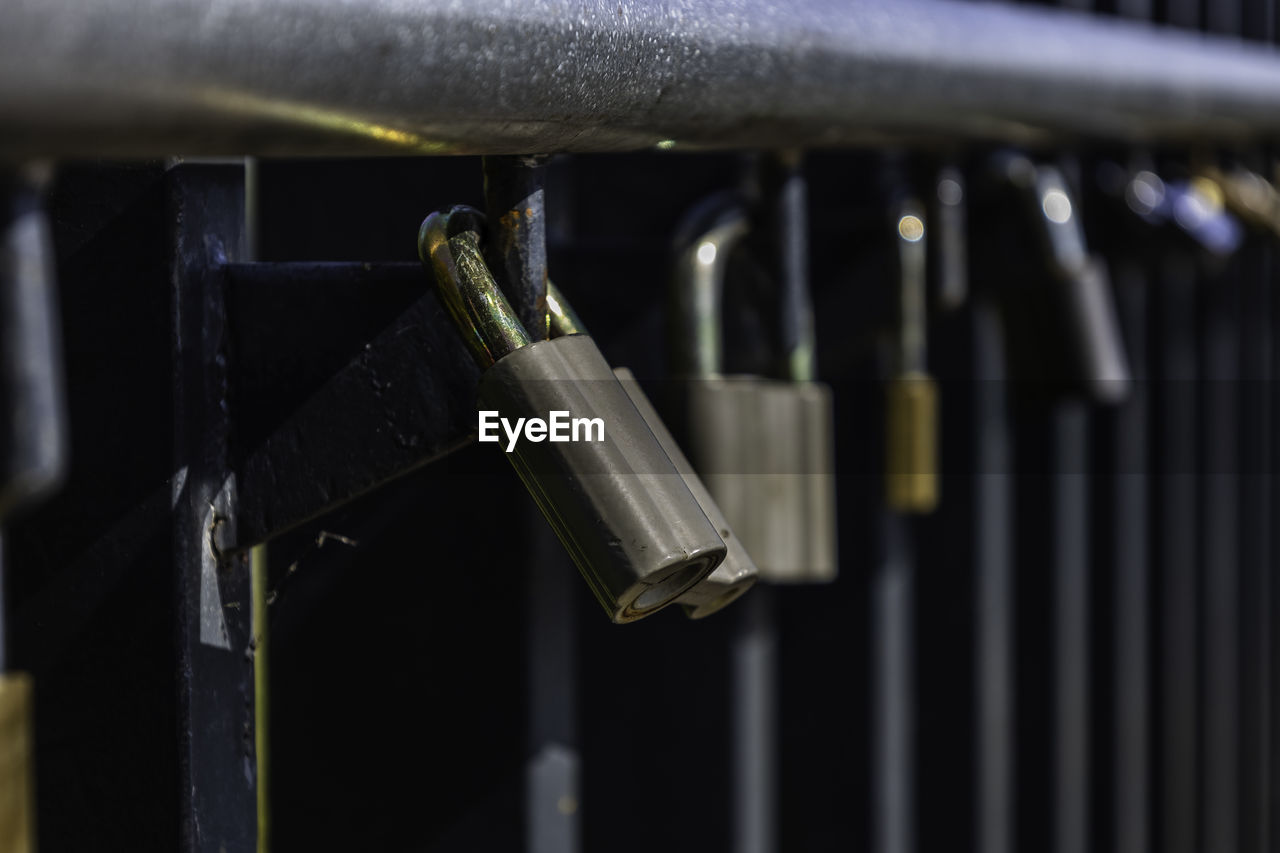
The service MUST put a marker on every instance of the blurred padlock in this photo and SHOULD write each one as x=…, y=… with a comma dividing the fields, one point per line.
x=764, y=447
x=738, y=572
x=911, y=429
x=17, y=800
x=1248, y=195
x=1079, y=296
x=614, y=498
x=33, y=451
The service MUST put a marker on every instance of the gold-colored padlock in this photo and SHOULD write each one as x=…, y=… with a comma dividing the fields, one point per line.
x=17, y=756
x=911, y=443
x=911, y=407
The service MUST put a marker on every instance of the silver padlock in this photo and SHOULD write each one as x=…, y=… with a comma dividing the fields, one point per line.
x=764, y=447
x=614, y=498
x=1080, y=292
x=738, y=572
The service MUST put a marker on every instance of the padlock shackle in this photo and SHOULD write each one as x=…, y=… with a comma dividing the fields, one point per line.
x=563, y=319
x=449, y=243
x=708, y=237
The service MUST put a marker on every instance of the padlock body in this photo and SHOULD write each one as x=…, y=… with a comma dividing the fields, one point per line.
x=738, y=572
x=911, y=444
x=765, y=449
x=619, y=506
x=17, y=764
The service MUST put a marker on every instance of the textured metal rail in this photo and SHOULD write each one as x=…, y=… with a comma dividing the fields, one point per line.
x=148, y=77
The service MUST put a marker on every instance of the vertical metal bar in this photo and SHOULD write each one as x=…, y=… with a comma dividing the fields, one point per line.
x=785, y=211
x=516, y=250
x=1255, y=550
x=893, y=718
x=1224, y=17
x=4, y=615
x=33, y=453
x=1175, y=502
x=993, y=559
x=1272, y=570
x=552, y=804
x=259, y=580
x=261, y=645
x=1182, y=13
x=754, y=653
x=1219, y=560
x=1128, y=552
x=1142, y=10
x=1070, y=561
x=950, y=241
x=33, y=428
x=218, y=799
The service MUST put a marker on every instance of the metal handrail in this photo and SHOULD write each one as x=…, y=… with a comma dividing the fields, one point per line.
x=149, y=77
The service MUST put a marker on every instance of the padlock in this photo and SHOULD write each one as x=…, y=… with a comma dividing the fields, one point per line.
x=17, y=800
x=950, y=239
x=1080, y=301
x=738, y=572
x=614, y=498
x=911, y=430
x=764, y=447
x=1247, y=195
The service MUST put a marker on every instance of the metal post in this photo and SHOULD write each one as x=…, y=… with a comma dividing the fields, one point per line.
x=218, y=799
x=1175, y=502
x=1070, y=566
x=893, y=717
x=753, y=680
x=993, y=592
x=516, y=251
x=1126, y=549
x=1219, y=558
x=1256, y=549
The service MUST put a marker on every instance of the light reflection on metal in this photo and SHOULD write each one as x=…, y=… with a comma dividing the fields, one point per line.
x=1056, y=206
x=911, y=228
x=321, y=118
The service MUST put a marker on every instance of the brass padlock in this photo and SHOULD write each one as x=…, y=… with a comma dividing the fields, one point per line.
x=911, y=427
x=17, y=761
x=764, y=447
x=614, y=498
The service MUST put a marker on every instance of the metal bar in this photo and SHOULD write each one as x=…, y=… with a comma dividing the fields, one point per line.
x=317, y=347
x=1069, y=426
x=994, y=597
x=1175, y=502
x=4, y=616
x=217, y=782
x=33, y=421
x=516, y=251
x=1127, y=547
x=1271, y=801
x=753, y=678
x=261, y=645
x=1255, y=549
x=1219, y=559
x=784, y=223
x=145, y=77
x=893, y=673
x=552, y=796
